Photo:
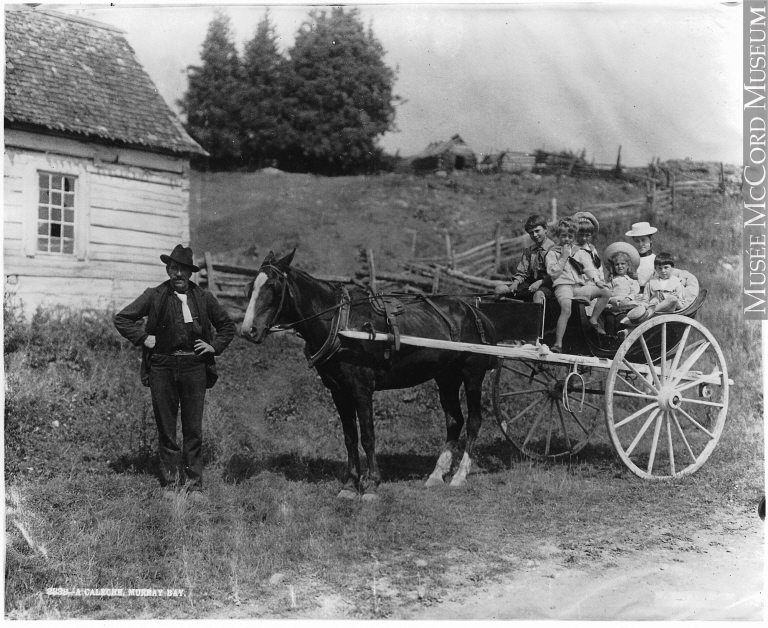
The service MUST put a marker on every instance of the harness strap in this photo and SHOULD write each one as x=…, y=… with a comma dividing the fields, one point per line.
x=393, y=338
x=479, y=325
x=451, y=326
x=332, y=343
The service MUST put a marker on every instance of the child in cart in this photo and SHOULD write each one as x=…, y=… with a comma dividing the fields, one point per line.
x=588, y=228
x=574, y=275
x=664, y=292
x=622, y=261
x=530, y=281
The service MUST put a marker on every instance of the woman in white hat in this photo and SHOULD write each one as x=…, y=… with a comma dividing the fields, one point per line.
x=641, y=234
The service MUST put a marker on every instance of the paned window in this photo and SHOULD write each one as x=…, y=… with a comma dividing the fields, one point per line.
x=56, y=213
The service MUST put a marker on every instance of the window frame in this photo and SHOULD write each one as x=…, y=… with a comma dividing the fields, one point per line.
x=59, y=209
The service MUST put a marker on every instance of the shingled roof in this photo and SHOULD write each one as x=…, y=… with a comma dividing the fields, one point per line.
x=77, y=76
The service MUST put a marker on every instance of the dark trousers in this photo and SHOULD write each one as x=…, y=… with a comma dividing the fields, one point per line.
x=524, y=294
x=179, y=382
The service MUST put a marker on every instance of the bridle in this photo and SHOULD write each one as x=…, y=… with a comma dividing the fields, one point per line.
x=285, y=288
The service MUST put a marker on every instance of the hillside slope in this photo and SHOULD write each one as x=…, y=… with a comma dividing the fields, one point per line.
x=239, y=217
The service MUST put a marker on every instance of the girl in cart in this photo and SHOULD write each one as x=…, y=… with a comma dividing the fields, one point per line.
x=622, y=261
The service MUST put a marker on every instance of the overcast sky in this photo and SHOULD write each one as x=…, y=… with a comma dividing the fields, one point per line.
x=659, y=79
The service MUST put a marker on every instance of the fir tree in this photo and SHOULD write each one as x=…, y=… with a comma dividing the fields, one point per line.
x=340, y=94
x=212, y=101
x=265, y=129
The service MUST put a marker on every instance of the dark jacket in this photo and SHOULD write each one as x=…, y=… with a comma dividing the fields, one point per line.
x=153, y=304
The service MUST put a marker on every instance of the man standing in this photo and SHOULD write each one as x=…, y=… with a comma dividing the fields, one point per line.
x=530, y=282
x=179, y=349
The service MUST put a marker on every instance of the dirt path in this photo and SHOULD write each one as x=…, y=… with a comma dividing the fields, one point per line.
x=724, y=580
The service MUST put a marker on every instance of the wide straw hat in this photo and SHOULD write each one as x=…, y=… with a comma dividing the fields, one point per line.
x=623, y=247
x=589, y=217
x=641, y=229
x=181, y=255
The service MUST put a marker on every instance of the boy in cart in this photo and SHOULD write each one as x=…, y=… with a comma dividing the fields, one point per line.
x=574, y=275
x=530, y=282
x=664, y=292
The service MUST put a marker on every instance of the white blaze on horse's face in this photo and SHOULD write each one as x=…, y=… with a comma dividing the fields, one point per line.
x=250, y=313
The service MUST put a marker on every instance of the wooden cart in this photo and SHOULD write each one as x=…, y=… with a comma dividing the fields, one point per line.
x=662, y=386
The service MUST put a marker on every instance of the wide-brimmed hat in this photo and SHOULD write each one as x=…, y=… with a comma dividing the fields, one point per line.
x=588, y=217
x=623, y=247
x=183, y=256
x=641, y=229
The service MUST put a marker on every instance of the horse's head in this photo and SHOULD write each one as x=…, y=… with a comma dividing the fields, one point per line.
x=267, y=295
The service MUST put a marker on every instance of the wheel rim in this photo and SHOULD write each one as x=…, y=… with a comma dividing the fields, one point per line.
x=528, y=404
x=665, y=423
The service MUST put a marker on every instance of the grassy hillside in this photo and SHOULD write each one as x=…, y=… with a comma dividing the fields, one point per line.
x=271, y=540
x=241, y=216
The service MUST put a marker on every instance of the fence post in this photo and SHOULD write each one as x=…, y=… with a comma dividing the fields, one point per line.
x=674, y=196
x=497, y=256
x=212, y=287
x=722, y=181
x=371, y=271
x=554, y=209
x=618, y=161
x=448, y=250
x=436, y=281
x=413, y=244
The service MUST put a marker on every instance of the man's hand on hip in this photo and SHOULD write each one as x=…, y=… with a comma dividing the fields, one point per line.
x=202, y=347
x=149, y=342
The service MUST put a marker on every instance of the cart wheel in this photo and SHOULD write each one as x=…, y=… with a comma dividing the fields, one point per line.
x=665, y=417
x=528, y=404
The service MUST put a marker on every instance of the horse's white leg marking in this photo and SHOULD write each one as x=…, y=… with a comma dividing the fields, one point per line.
x=460, y=479
x=261, y=279
x=442, y=467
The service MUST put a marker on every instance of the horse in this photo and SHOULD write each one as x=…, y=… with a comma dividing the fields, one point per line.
x=354, y=369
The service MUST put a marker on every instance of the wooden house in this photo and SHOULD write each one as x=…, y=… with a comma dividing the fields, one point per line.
x=96, y=172
x=447, y=156
x=515, y=162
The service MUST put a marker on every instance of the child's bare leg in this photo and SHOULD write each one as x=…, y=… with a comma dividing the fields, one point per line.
x=562, y=322
x=669, y=304
x=603, y=295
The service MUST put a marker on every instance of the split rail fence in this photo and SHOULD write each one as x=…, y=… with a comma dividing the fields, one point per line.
x=477, y=269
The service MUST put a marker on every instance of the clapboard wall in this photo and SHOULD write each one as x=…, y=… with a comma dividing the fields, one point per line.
x=130, y=207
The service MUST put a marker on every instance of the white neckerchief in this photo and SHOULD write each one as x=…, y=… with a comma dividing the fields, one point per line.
x=184, y=307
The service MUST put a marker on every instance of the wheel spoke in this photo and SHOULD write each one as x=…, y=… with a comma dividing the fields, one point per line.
x=642, y=431
x=620, y=378
x=682, y=434
x=633, y=416
x=531, y=377
x=521, y=392
x=702, y=402
x=578, y=421
x=705, y=379
x=669, y=444
x=649, y=361
x=534, y=426
x=589, y=404
x=655, y=442
x=549, y=428
x=623, y=393
x=695, y=422
x=530, y=406
x=680, y=349
x=562, y=423
x=663, y=352
x=690, y=362
x=640, y=375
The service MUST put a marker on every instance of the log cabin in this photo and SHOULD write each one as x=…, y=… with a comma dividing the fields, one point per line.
x=96, y=168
